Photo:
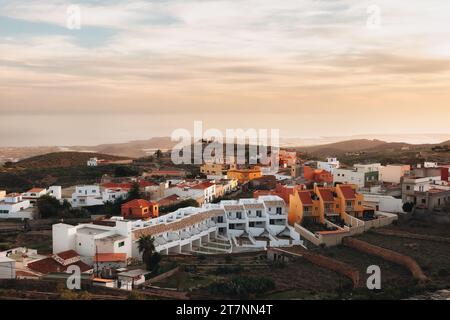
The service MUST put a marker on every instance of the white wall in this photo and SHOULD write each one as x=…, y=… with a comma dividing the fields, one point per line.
x=7, y=268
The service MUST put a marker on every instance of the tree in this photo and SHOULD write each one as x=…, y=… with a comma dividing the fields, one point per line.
x=48, y=206
x=408, y=207
x=135, y=192
x=125, y=171
x=151, y=258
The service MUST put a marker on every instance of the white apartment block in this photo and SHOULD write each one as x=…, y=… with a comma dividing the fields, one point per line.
x=367, y=167
x=229, y=226
x=113, y=194
x=349, y=176
x=202, y=192
x=330, y=165
x=14, y=206
x=35, y=193
x=89, y=239
x=85, y=196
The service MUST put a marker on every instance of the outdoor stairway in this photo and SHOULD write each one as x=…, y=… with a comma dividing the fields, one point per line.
x=213, y=247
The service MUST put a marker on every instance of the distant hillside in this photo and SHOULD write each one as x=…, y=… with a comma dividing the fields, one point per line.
x=347, y=146
x=363, y=145
x=61, y=160
x=135, y=149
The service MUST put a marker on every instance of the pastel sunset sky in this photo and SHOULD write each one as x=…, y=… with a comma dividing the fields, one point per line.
x=138, y=69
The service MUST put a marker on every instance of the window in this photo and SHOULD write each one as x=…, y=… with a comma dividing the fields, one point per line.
x=408, y=187
x=121, y=244
x=239, y=215
x=220, y=219
x=259, y=213
x=279, y=210
x=251, y=224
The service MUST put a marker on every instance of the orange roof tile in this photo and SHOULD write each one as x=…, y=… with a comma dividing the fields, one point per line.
x=348, y=192
x=305, y=197
x=110, y=257
x=35, y=190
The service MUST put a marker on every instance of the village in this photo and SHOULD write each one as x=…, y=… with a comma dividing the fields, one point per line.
x=169, y=233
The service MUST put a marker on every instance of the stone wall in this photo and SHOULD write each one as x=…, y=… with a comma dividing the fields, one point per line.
x=388, y=255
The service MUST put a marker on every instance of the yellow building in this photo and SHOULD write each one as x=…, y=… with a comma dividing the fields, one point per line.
x=350, y=201
x=304, y=204
x=325, y=203
x=244, y=175
x=214, y=169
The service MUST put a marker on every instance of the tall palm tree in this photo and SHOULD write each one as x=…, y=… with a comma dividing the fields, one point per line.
x=146, y=246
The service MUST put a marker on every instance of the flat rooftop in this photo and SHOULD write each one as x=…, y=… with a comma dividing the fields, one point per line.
x=91, y=231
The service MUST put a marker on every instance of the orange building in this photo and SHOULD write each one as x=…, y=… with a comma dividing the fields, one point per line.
x=244, y=175
x=317, y=175
x=332, y=204
x=140, y=209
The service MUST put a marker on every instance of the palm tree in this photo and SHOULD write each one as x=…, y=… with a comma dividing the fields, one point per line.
x=146, y=246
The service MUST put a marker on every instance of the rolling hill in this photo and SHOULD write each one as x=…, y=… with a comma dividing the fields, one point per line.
x=61, y=160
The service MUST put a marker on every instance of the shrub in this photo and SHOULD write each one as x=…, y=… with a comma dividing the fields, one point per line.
x=242, y=287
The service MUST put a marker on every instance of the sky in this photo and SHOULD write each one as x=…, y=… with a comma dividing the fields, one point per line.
x=98, y=71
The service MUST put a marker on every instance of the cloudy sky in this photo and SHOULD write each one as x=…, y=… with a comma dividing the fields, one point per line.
x=137, y=69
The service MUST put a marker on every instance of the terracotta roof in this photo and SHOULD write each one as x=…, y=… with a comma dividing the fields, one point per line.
x=69, y=254
x=203, y=185
x=305, y=197
x=13, y=195
x=348, y=192
x=140, y=203
x=49, y=265
x=35, y=190
x=127, y=185
x=112, y=185
x=20, y=273
x=326, y=194
x=110, y=257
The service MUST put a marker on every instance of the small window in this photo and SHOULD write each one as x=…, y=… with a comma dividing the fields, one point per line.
x=121, y=244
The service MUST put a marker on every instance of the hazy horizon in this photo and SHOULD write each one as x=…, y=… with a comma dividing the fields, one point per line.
x=140, y=69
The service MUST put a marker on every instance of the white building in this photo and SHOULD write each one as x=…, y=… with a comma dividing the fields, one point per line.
x=35, y=193
x=329, y=165
x=92, y=162
x=7, y=268
x=202, y=192
x=372, y=167
x=349, y=176
x=229, y=226
x=13, y=206
x=383, y=203
x=85, y=196
x=89, y=239
x=112, y=194
x=430, y=164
